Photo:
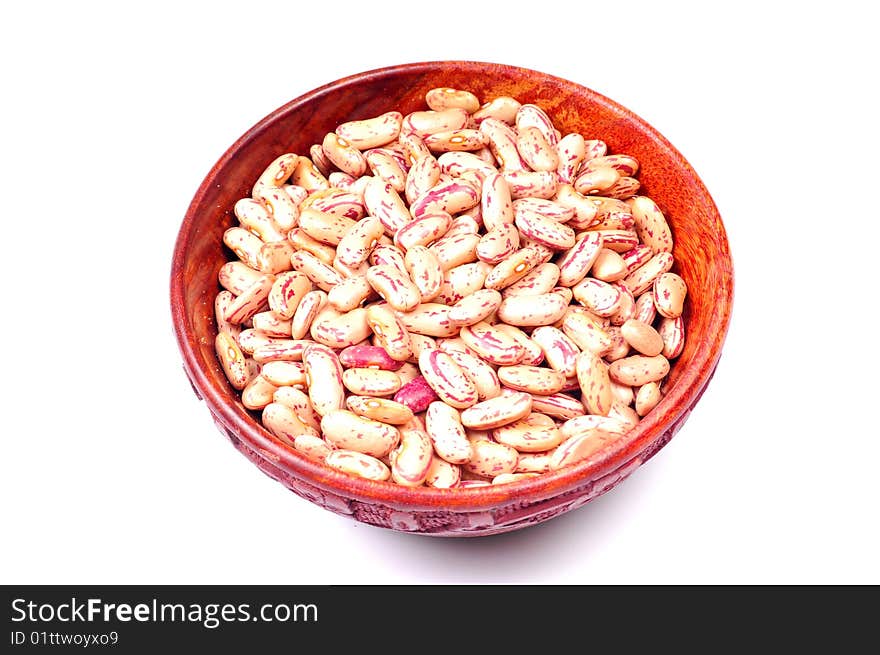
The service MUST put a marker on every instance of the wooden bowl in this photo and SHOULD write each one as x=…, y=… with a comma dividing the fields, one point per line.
x=701, y=253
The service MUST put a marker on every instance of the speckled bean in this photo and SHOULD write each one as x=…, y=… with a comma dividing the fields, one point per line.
x=337, y=202
x=491, y=344
x=232, y=360
x=532, y=311
x=451, y=196
x=313, y=447
x=384, y=202
x=441, y=474
x=371, y=132
x=599, y=297
x=532, y=355
x=380, y=409
x=641, y=279
x=539, y=281
x=671, y=330
x=498, y=411
x=559, y=350
x=278, y=350
x=644, y=309
x=587, y=332
x=447, y=379
x=411, y=460
x=388, y=255
x=425, y=123
x=636, y=257
x=619, y=240
x=571, y=152
x=531, y=184
x=483, y=376
x=533, y=434
x=236, y=277
x=545, y=231
x=535, y=150
x=385, y=166
x=422, y=176
x=283, y=422
x=244, y=244
x=609, y=266
x=258, y=392
x=298, y=401
x=255, y=218
x=252, y=300
x=221, y=304
x=580, y=424
x=284, y=373
x=340, y=330
x=502, y=143
x=307, y=175
x=350, y=293
x=496, y=202
x=395, y=287
x=390, y=332
x=425, y=271
x=627, y=308
x=286, y=293
x=498, y=243
x=456, y=163
x=639, y=369
x=642, y=337
x=358, y=464
x=370, y=381
x=534, y=379
x=580, y=447
x=343, y=154
x=558, y=405
x=274, y=257
x=593, y=378
x=669, y=294
x=490, y=459
x=429, y=319
x=584, y=209
x=442, y=98
x=423, y=231
x=305, y=313
x=323, y=276
x=624, y=164
x=456, y=140
x=444, y=427
x=348, y=431
x=647, y=398
x=513, y=268
x=534, y=462
x=502, y=108
x=356, y=244
x=596, y=180
x=282, y=208
x=303, y=242
x=577, y=261
x=323, y=365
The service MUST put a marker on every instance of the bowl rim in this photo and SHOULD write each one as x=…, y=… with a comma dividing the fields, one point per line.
x=616, y=455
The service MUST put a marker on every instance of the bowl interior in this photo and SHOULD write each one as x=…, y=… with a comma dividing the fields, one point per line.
x=701, y=249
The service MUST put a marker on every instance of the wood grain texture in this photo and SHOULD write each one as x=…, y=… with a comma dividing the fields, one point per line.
x=702, y=259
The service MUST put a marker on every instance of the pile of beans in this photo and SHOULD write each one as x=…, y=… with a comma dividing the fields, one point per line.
x=457, y=297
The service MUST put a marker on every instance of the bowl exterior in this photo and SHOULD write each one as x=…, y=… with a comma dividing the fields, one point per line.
x=702, y=259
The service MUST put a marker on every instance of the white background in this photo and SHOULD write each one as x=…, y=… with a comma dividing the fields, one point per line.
x=112, y=471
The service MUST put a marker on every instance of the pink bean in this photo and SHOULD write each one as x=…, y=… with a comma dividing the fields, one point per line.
x=416, y=394
x=368, y=357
